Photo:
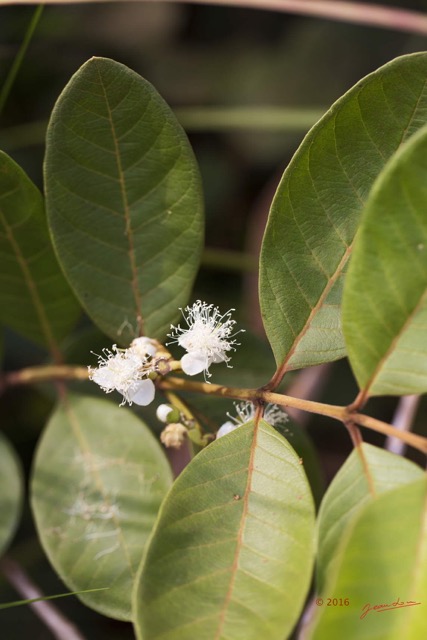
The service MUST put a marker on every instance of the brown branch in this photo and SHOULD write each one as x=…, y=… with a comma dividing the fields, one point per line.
x=33, y=375
x=43, y=373
x=343, y=414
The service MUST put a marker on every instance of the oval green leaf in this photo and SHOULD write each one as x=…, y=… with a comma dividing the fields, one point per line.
x=385, y=296
x=98, y=480
x=35, y=299
x=231, y=554
x=383, y=563
x=367, y=472
x=11, y=492
x=124, y=200
x=316, y=210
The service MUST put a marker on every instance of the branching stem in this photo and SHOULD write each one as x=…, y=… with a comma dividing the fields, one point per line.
x=346, y=415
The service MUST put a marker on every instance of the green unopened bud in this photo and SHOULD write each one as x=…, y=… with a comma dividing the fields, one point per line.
x=166, y=413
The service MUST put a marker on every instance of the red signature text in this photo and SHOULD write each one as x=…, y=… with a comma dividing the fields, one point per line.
x=378, y=608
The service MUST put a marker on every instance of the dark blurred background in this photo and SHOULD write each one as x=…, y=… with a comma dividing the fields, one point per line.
x=202, y=59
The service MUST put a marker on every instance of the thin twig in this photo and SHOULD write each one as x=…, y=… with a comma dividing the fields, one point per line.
x=343, y=414
x=33, y=375
x=10, y=79
x=56, y=622
x=308, y=383
x=402, y=420
x=372, y=15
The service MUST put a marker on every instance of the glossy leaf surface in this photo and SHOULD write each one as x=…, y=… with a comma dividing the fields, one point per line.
x=124, y=200
x=385, y=297
x=232, y=551
x=35, y=298
x=98, y=480
x=316, y=210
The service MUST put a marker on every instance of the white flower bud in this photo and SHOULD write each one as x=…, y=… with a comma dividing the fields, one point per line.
x=162, y=412
x=144, y=346
x=226, y=428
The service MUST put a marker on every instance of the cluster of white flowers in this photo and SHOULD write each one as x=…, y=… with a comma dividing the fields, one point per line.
x=127, y=371
x=207, y=339
x=245, y=411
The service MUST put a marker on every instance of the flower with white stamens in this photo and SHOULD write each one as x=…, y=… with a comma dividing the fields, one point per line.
x=206, y=338
x=273, y=414
x=125, y=371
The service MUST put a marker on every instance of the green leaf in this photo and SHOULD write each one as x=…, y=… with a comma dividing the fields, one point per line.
x=383, y=562
x=35, y=298
x=231, y=554
x=98, y=480
x=316, y=210
x=124, y=200
x=385, y=296
x=367, y=472
x=11, y=493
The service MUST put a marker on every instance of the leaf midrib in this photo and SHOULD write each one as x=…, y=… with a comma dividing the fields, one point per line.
x=383, y=361
x=86, y=450
x=332, y=280
x=126, y=211
x=240, y=533
x=33, y=291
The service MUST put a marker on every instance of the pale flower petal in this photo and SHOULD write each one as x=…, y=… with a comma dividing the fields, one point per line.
x=194, y=363
x=104, y=377
x=143, y=393
x=226, y=428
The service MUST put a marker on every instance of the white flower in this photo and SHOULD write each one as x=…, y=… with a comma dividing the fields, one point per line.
x=207, y=338
x=125, y=371
x=273, y=414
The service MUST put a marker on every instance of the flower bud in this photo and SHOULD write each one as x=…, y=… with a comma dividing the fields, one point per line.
x=144, y=346
x=226, y=428
x=166, y=413
x=174, y=435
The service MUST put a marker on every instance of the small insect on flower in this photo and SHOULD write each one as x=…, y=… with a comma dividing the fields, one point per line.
x=125, y=371
x=273, y=414
x=207, y=338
